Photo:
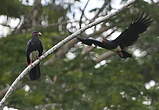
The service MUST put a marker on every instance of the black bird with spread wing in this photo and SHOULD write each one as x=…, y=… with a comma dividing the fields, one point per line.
x=34, y=50
x=125, y=39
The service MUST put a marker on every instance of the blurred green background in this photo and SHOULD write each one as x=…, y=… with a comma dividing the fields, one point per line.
x=74, y=78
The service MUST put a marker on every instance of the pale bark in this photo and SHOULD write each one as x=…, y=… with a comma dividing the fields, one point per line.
x=104, y=56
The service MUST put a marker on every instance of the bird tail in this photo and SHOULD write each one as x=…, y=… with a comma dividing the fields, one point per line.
x=34, y=74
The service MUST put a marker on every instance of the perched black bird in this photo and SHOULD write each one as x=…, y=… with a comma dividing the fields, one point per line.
x=125, y=39
x=34, y=50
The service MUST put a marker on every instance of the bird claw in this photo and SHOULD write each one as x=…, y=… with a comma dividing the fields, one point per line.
x=120, y=53
x=30, y=63
x=119, y=48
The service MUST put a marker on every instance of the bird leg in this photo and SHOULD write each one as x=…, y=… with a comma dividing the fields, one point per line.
x=123, y=53
x=119, y=51
x=95, y=46
x=30, y=63
x=119, y=48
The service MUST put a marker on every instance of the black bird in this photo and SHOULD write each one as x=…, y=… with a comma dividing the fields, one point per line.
x=125, y=39
x=34, y=50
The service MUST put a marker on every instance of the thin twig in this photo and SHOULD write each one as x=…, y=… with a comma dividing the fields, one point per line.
x=104, y=56
x=82, y=14
x=100, y=10
x=6, y=25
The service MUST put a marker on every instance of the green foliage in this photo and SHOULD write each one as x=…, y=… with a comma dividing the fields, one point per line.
x=11, y=8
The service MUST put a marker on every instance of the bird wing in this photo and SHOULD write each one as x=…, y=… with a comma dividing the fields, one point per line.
x=90, y=42
x=28, y=50
x=130, y=35
x=40, y=48
x=33, y=46
x=107, y=45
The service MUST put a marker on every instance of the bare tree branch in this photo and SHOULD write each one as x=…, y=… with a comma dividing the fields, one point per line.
x=100, y=10
x=31, y=19
x=52, y=50
x=61, y=53
x=45, y=107
x=6, y=25
x=104, y=56
x=82, y=14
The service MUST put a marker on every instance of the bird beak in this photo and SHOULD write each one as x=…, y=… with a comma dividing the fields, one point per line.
x=40, y=34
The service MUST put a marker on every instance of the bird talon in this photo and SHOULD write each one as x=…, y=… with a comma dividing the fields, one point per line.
x=30, y=63
x=120, y=53
x=119, y=48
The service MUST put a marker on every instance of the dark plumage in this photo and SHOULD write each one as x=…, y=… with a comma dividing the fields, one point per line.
x=34, y=50
x=125, y=39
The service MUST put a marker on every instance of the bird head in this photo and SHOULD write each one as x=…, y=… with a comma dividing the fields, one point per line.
x=37, y=34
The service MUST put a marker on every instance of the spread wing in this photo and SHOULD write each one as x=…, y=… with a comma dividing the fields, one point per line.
x=90, y=42
x=130, y=35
